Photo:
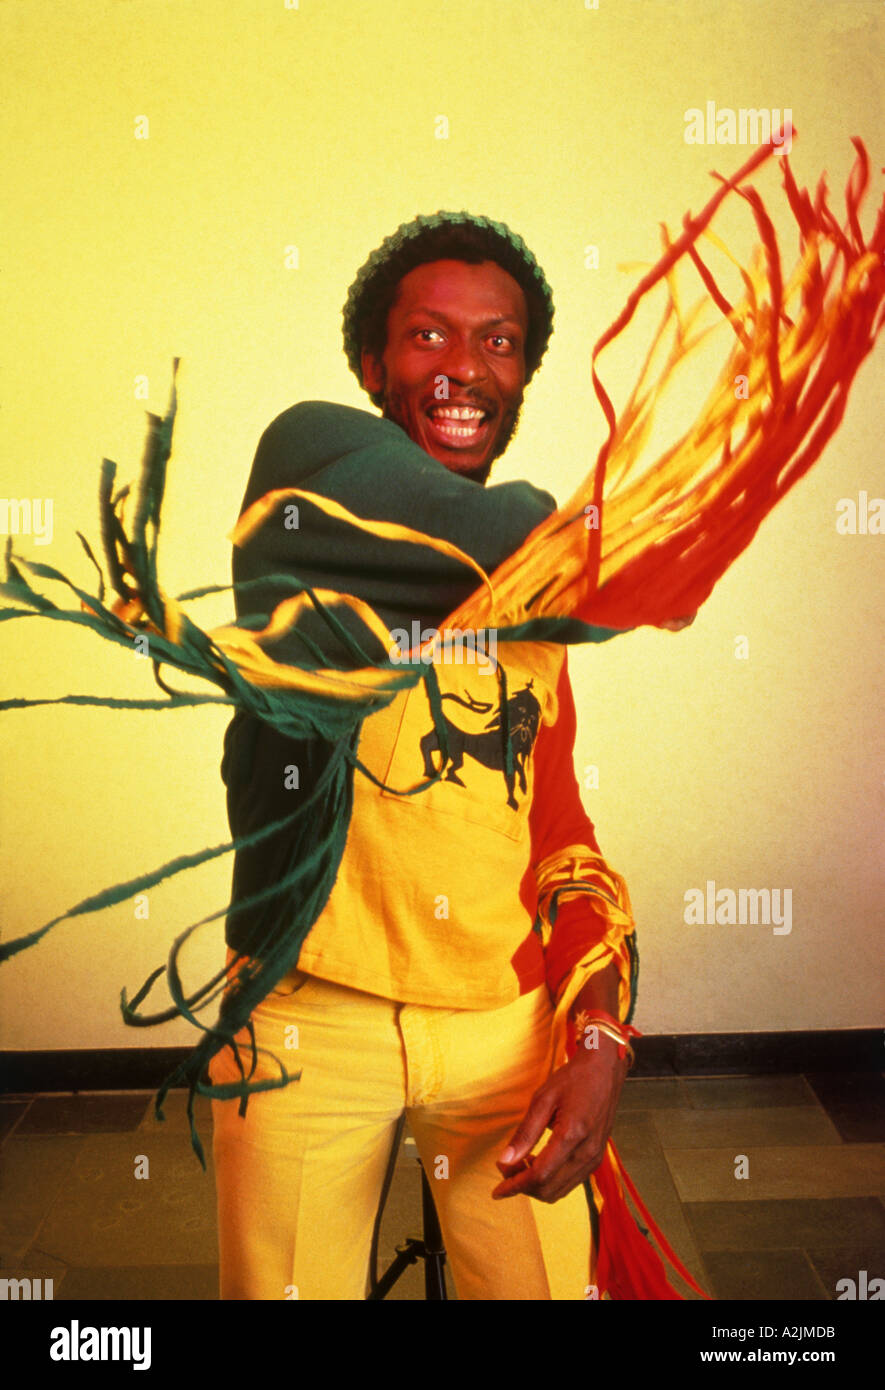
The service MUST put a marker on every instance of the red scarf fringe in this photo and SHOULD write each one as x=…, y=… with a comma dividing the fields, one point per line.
x=627, y=1265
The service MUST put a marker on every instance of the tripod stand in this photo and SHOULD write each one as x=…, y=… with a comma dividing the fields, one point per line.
x=430, y=1249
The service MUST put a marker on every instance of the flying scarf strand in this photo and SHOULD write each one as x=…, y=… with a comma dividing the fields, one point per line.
x=668, y=529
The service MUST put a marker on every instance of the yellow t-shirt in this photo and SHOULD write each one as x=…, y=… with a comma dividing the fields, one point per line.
x=437, y=893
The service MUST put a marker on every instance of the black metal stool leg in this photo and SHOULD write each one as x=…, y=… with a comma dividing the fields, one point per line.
x=430, y=1249
x=434, y=1250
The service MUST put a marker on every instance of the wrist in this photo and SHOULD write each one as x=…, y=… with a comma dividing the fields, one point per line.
x=596, y=1050
x=593, y=1029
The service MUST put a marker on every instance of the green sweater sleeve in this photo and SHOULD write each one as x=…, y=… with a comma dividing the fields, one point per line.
x=369, y=465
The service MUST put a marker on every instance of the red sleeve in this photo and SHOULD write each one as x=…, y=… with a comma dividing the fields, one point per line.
x=557, y=819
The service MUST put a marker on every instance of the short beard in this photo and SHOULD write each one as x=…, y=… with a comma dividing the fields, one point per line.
x=476, y=475
x=480, y=475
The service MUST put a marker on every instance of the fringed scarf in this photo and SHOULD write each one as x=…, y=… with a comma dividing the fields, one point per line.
x=641, y=541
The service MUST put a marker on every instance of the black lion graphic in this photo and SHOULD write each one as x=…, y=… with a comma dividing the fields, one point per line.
x=487, y=747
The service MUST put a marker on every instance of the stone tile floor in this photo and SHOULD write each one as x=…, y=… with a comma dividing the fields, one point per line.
x=809, y=1212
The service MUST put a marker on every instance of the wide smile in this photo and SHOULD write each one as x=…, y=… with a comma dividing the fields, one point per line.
x=459, y=426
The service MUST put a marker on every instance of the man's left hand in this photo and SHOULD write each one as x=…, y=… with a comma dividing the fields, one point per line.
x=578, y=1105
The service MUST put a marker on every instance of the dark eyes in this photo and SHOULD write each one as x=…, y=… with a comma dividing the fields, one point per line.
x=498, y=340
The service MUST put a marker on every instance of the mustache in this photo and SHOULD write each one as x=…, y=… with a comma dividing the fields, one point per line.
x=468, y=397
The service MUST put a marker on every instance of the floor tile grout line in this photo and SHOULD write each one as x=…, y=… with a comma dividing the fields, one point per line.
x=661, y=1155
x=10, y=1132
x=816, y=1276
x=62, y=1192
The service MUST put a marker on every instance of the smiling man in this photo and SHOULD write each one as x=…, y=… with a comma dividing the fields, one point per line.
x=474, y=965
x=452, y=371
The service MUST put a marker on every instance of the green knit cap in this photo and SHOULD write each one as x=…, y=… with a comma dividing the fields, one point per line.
x=435, y=237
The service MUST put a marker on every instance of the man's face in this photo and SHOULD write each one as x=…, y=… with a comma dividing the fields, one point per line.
x=453, y=371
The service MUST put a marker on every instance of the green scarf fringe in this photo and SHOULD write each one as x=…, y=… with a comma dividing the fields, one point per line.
x=319, y=826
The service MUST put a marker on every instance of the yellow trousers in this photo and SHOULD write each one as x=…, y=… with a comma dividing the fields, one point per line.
x=299, y=1176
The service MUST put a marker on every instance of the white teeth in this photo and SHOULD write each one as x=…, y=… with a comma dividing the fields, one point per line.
x=455, y=412
x=459, y=431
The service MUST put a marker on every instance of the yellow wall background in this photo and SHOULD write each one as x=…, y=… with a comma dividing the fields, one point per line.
x=315, y=126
